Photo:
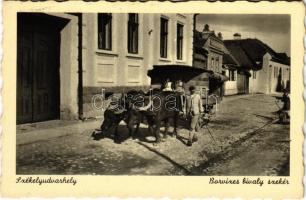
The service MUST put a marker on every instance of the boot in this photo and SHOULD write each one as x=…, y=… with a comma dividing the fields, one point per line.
x=191, y=135
x=189, y=143
x=195, y=138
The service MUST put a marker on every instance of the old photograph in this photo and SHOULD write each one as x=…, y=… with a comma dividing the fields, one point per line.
x=168, y=94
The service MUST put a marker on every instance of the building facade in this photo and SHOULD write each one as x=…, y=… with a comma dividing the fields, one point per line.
x=133, y=45
x=231, y=67
x=92, y=51
x=272, y=78
x=261, y=69
x=209, y=51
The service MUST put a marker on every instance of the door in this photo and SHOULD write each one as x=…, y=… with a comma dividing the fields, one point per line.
x=240, y=83
x=247, y=84
x=24, y=78
x=37, y=72
x=46, y=76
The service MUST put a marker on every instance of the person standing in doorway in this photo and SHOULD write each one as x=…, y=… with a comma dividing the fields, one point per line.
x=194, y=110
x=168, y=85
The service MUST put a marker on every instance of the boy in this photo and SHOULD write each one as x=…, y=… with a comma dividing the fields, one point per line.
x=194, y=110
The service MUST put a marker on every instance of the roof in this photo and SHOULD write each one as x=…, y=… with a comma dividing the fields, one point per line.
x=159, y=73
x=200, y=38
x=200, y=50
x=199, y=41
x=249, y=52
x=229, y=59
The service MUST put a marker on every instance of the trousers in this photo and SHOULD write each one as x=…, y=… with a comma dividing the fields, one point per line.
x=194, y=122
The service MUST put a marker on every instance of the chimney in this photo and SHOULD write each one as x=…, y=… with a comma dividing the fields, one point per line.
x=220, y=36
x=237, y=36
x=206, y=27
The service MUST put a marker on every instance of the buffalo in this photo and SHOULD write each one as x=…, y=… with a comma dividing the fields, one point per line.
x=159, y=106
x=117, y=111
x=136, y=106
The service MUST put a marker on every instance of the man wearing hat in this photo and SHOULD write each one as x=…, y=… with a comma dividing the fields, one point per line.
x=194, y=109
x=285, y=111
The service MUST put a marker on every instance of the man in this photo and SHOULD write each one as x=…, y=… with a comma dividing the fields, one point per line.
x=286, y=100
x=285, y=111
x=179, y=88
x=168, y=85
x=194, y=109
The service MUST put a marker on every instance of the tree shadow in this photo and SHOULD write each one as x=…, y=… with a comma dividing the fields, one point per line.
x=264, y=117
x=185, y=170
x=182, y=139
x=142, y=135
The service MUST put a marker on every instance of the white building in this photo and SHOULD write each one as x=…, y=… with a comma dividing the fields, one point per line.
x=272, y=78
x=261, y=69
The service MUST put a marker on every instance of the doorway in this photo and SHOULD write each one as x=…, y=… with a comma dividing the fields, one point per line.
x=38, y=55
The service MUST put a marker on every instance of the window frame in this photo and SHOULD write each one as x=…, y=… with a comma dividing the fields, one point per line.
x=231, y=75
x=105, y=43
x=164, y=31
x=212, y=64
x=217, y=64
x=179, y=41
x=133, y=34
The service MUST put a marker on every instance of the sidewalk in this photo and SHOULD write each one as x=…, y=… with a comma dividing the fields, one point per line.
x=35, y=132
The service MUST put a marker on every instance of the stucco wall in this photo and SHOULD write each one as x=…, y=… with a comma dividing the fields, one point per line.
x=267, y=78
x=117, y=69
x=68, y=67
x=264, y=75
x=230, y=86
x=254, y=81
x=285, y=76
x=173, y=19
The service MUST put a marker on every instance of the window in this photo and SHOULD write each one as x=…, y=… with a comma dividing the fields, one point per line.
x=212, y=64
x=163, y=37
x=105, y=31
x=232, y=75
x=133, y=33
x=179, y=41
x=217, y=65
x=254, y=74
x=275, y=72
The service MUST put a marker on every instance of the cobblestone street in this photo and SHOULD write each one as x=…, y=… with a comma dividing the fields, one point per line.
x=248, y=141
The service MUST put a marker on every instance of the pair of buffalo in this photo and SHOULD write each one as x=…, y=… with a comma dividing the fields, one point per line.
x=134, y=106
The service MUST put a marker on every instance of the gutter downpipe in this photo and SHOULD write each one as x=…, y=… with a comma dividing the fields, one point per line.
x=193, y=43
x=80, y=68
x=80, y=65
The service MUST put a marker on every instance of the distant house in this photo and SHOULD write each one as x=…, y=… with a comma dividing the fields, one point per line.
x=262, y=70
x=209, y=55
x=200, y=55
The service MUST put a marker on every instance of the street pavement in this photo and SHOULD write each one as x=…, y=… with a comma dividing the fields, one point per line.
x=243, y=138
